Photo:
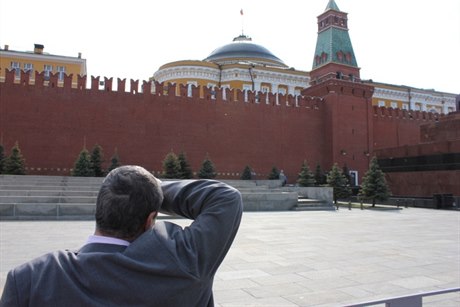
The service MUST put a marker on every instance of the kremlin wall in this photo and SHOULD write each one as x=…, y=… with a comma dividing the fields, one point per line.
x=239, y=106
x=52, y=122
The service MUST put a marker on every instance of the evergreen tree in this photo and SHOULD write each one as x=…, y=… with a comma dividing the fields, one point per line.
x=337, y=180
x=306, y=177
x=15, y=163
x=96, y=160
x=185, y=169
x=207, y=170
x=374, y=185
x=274, y=174
x=114, y=161
x=320, y=177
x=83, y=166
x=2, y=159
x=171, y=166
x=247, y=173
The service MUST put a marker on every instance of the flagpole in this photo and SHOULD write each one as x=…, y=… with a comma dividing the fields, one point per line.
x=242, y=22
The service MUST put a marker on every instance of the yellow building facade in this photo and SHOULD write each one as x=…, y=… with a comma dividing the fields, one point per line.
x=38, y=60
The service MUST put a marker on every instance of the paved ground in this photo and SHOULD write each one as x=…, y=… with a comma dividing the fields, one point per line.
x=302, y=258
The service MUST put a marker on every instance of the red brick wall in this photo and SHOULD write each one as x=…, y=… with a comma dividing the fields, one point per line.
x=424, y=184
x=52, y=124
x=348, y=123
x=444, y=140
x=393, y=128
x=447, y=128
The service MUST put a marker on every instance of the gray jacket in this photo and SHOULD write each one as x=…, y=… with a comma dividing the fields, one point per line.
x=166, y=266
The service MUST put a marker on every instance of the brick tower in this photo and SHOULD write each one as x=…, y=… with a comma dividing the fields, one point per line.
x=335, y=77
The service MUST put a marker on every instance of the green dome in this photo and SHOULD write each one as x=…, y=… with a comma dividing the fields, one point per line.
x=242, y=49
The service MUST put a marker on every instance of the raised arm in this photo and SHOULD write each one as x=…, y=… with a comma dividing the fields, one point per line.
x=216, y=209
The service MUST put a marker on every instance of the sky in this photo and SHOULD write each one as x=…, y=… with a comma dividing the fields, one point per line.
x=414, y=43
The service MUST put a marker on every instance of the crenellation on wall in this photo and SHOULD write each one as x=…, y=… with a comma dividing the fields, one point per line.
x=121, y=85
x=216, y=94
x=9, y=76
x=94, y=83
x=81, y=82
x=68, y=81
x=183, y=90
x=108, y=84
x=146, y=87
x=39, y=79
x=134, y=88
x=24, y=78
x=390, y=113
x=53, y=81
x=159, y=89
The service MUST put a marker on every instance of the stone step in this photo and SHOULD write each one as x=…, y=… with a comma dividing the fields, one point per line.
x=54, y=193
x=47, y=199
x=47, y=211
x=308, y=204
x=37, y=180
x=314, y=208
x=50, y=187
x=268, y=201
x=57, y=197
x=255, y=190
x=54, y=212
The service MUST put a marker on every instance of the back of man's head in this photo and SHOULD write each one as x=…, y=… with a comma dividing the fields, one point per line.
x=127, y=196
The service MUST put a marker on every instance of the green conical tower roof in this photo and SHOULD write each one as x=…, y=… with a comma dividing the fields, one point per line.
x=332, y=6
x=333, y=44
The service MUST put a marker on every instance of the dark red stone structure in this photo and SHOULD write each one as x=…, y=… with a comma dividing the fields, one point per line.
x=333, y=122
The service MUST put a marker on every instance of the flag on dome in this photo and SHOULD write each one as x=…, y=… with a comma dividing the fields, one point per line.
x=241, y=12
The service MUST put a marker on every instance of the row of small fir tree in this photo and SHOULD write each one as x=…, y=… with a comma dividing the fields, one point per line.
x=374, y=186
x=88, y=164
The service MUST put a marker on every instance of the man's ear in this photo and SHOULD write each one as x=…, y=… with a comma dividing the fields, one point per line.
x=150, y=220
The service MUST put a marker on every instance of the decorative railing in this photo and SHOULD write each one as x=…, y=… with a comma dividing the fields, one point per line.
x=415, y=300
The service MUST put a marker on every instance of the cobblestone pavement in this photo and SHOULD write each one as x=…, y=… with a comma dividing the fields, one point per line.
x=301, y=258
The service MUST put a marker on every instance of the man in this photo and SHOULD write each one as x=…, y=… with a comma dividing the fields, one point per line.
x=131, y=260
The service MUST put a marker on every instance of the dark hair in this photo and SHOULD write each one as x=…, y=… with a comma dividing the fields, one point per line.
x=127, y=196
